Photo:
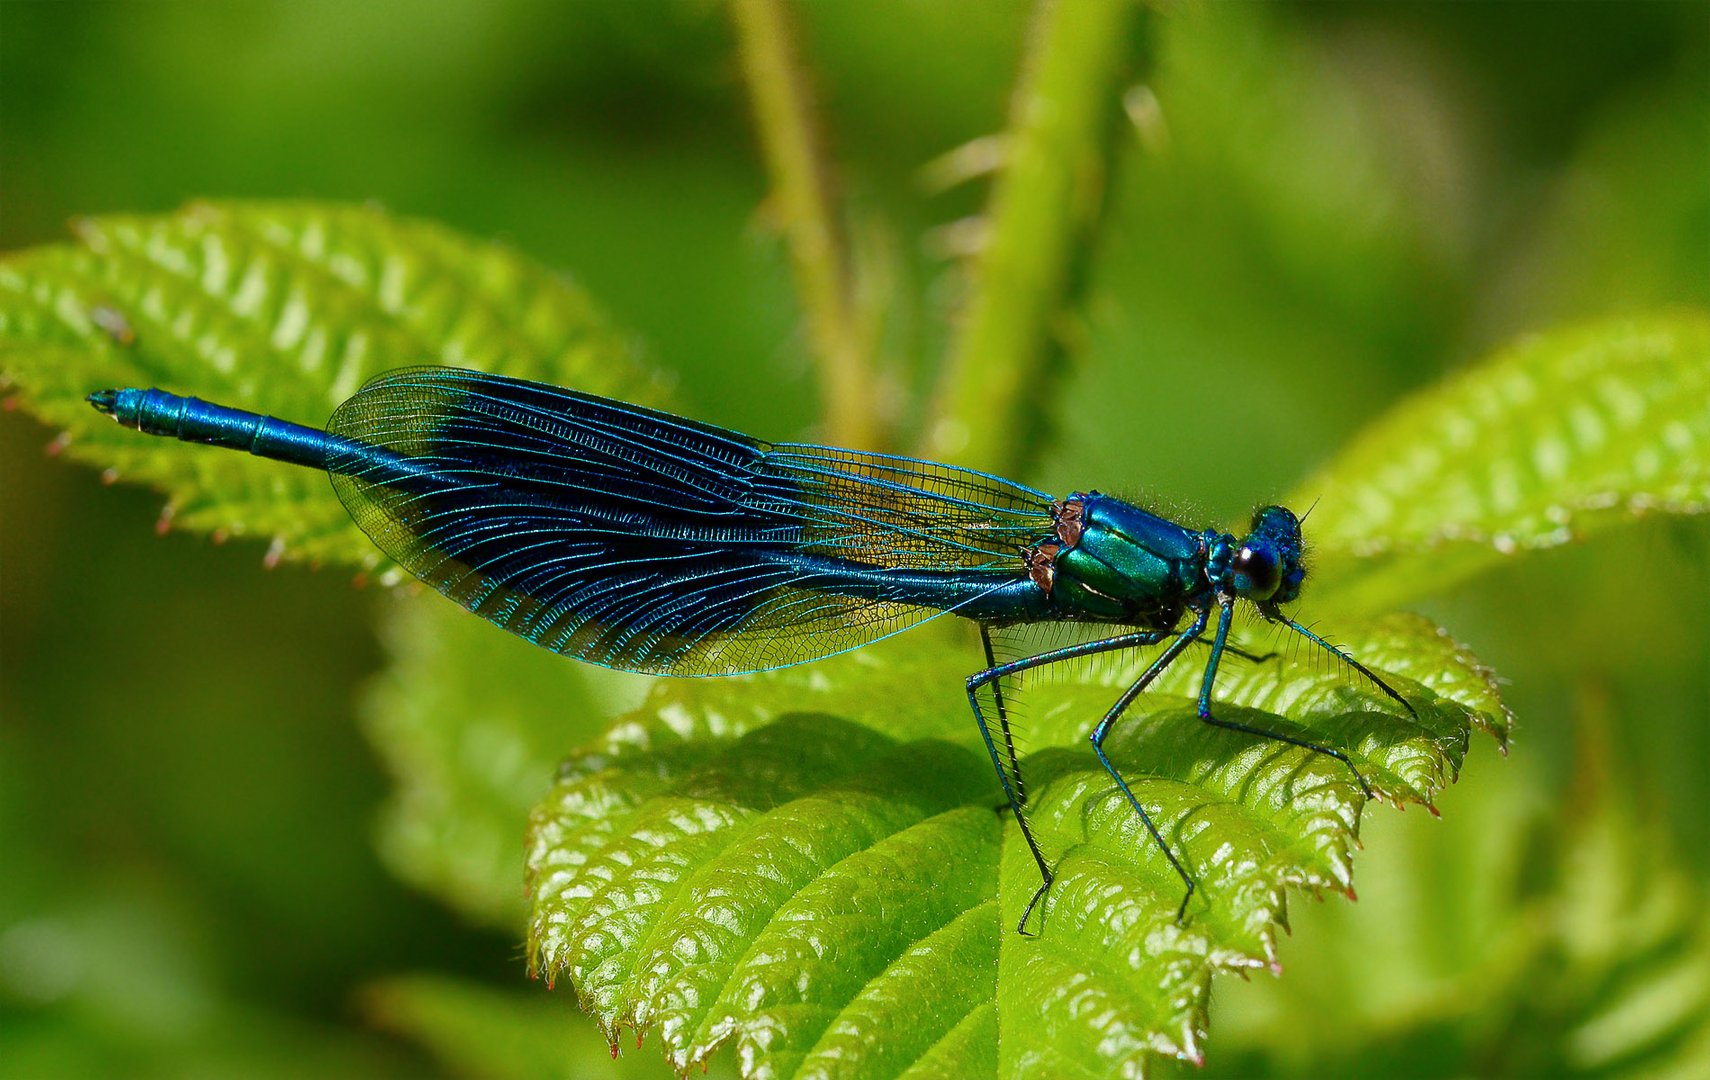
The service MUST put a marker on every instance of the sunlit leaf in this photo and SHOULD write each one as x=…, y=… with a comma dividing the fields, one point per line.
x=1556, y=437
x=810, y=864
x=284, y=308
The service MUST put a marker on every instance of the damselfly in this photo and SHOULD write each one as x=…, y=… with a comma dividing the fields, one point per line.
x=632, y=538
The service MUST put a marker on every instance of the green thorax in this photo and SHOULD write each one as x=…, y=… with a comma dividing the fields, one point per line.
x=1112, y=561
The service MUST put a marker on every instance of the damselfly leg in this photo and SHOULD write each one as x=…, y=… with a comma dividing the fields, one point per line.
x=1210, y=678
x=993, y=675
x=1158, y=666
x=1138, y=639
x=1014, y=785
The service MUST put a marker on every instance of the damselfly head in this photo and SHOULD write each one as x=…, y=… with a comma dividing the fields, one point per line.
x=1269, y=568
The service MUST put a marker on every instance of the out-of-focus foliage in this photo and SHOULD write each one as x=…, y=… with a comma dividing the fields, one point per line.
x=1555, y=439
x=285, y=309
x=471, y=729
x=1546, y=934
x=475, y=1030
x=1328, y=206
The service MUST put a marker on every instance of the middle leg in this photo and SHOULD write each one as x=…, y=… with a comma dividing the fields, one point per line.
x=1015, y=792
x=1158, y=666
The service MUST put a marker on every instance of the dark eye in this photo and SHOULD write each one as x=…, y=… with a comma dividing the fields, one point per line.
x=1256, y=574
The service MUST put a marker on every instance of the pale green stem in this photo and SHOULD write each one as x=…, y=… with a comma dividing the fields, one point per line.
x=1043, y=205
x=806, y=210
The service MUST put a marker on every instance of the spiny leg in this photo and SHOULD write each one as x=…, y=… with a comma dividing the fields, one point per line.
x=1003, y=718
x=1003, y=714
x=992, y=674
x=1164, y=660
x=1355, y=664
x=1205, y=686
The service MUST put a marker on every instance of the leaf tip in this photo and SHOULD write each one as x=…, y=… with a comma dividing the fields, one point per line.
x=1191, y=1050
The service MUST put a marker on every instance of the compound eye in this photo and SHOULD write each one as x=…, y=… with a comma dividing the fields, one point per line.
x=1257, y=574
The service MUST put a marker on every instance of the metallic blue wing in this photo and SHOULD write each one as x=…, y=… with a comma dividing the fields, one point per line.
x=639, y=540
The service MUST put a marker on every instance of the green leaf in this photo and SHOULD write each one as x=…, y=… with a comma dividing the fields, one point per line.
x=1535, y=933
x=285, y=308
x=809, y=865
x=1552, y=439
x=1619, y=983
x=472, y=753
x=486, y=1034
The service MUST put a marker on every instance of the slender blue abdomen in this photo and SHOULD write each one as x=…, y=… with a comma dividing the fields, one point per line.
x=640, y=540
x=156, y=412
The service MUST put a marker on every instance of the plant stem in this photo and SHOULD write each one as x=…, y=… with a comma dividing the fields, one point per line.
x=1043, y=206
x=806, y=210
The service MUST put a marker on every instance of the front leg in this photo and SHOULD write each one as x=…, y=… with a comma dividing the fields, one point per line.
x=1205, y=686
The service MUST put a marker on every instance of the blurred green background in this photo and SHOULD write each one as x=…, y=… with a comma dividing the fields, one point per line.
x=1333, y=204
